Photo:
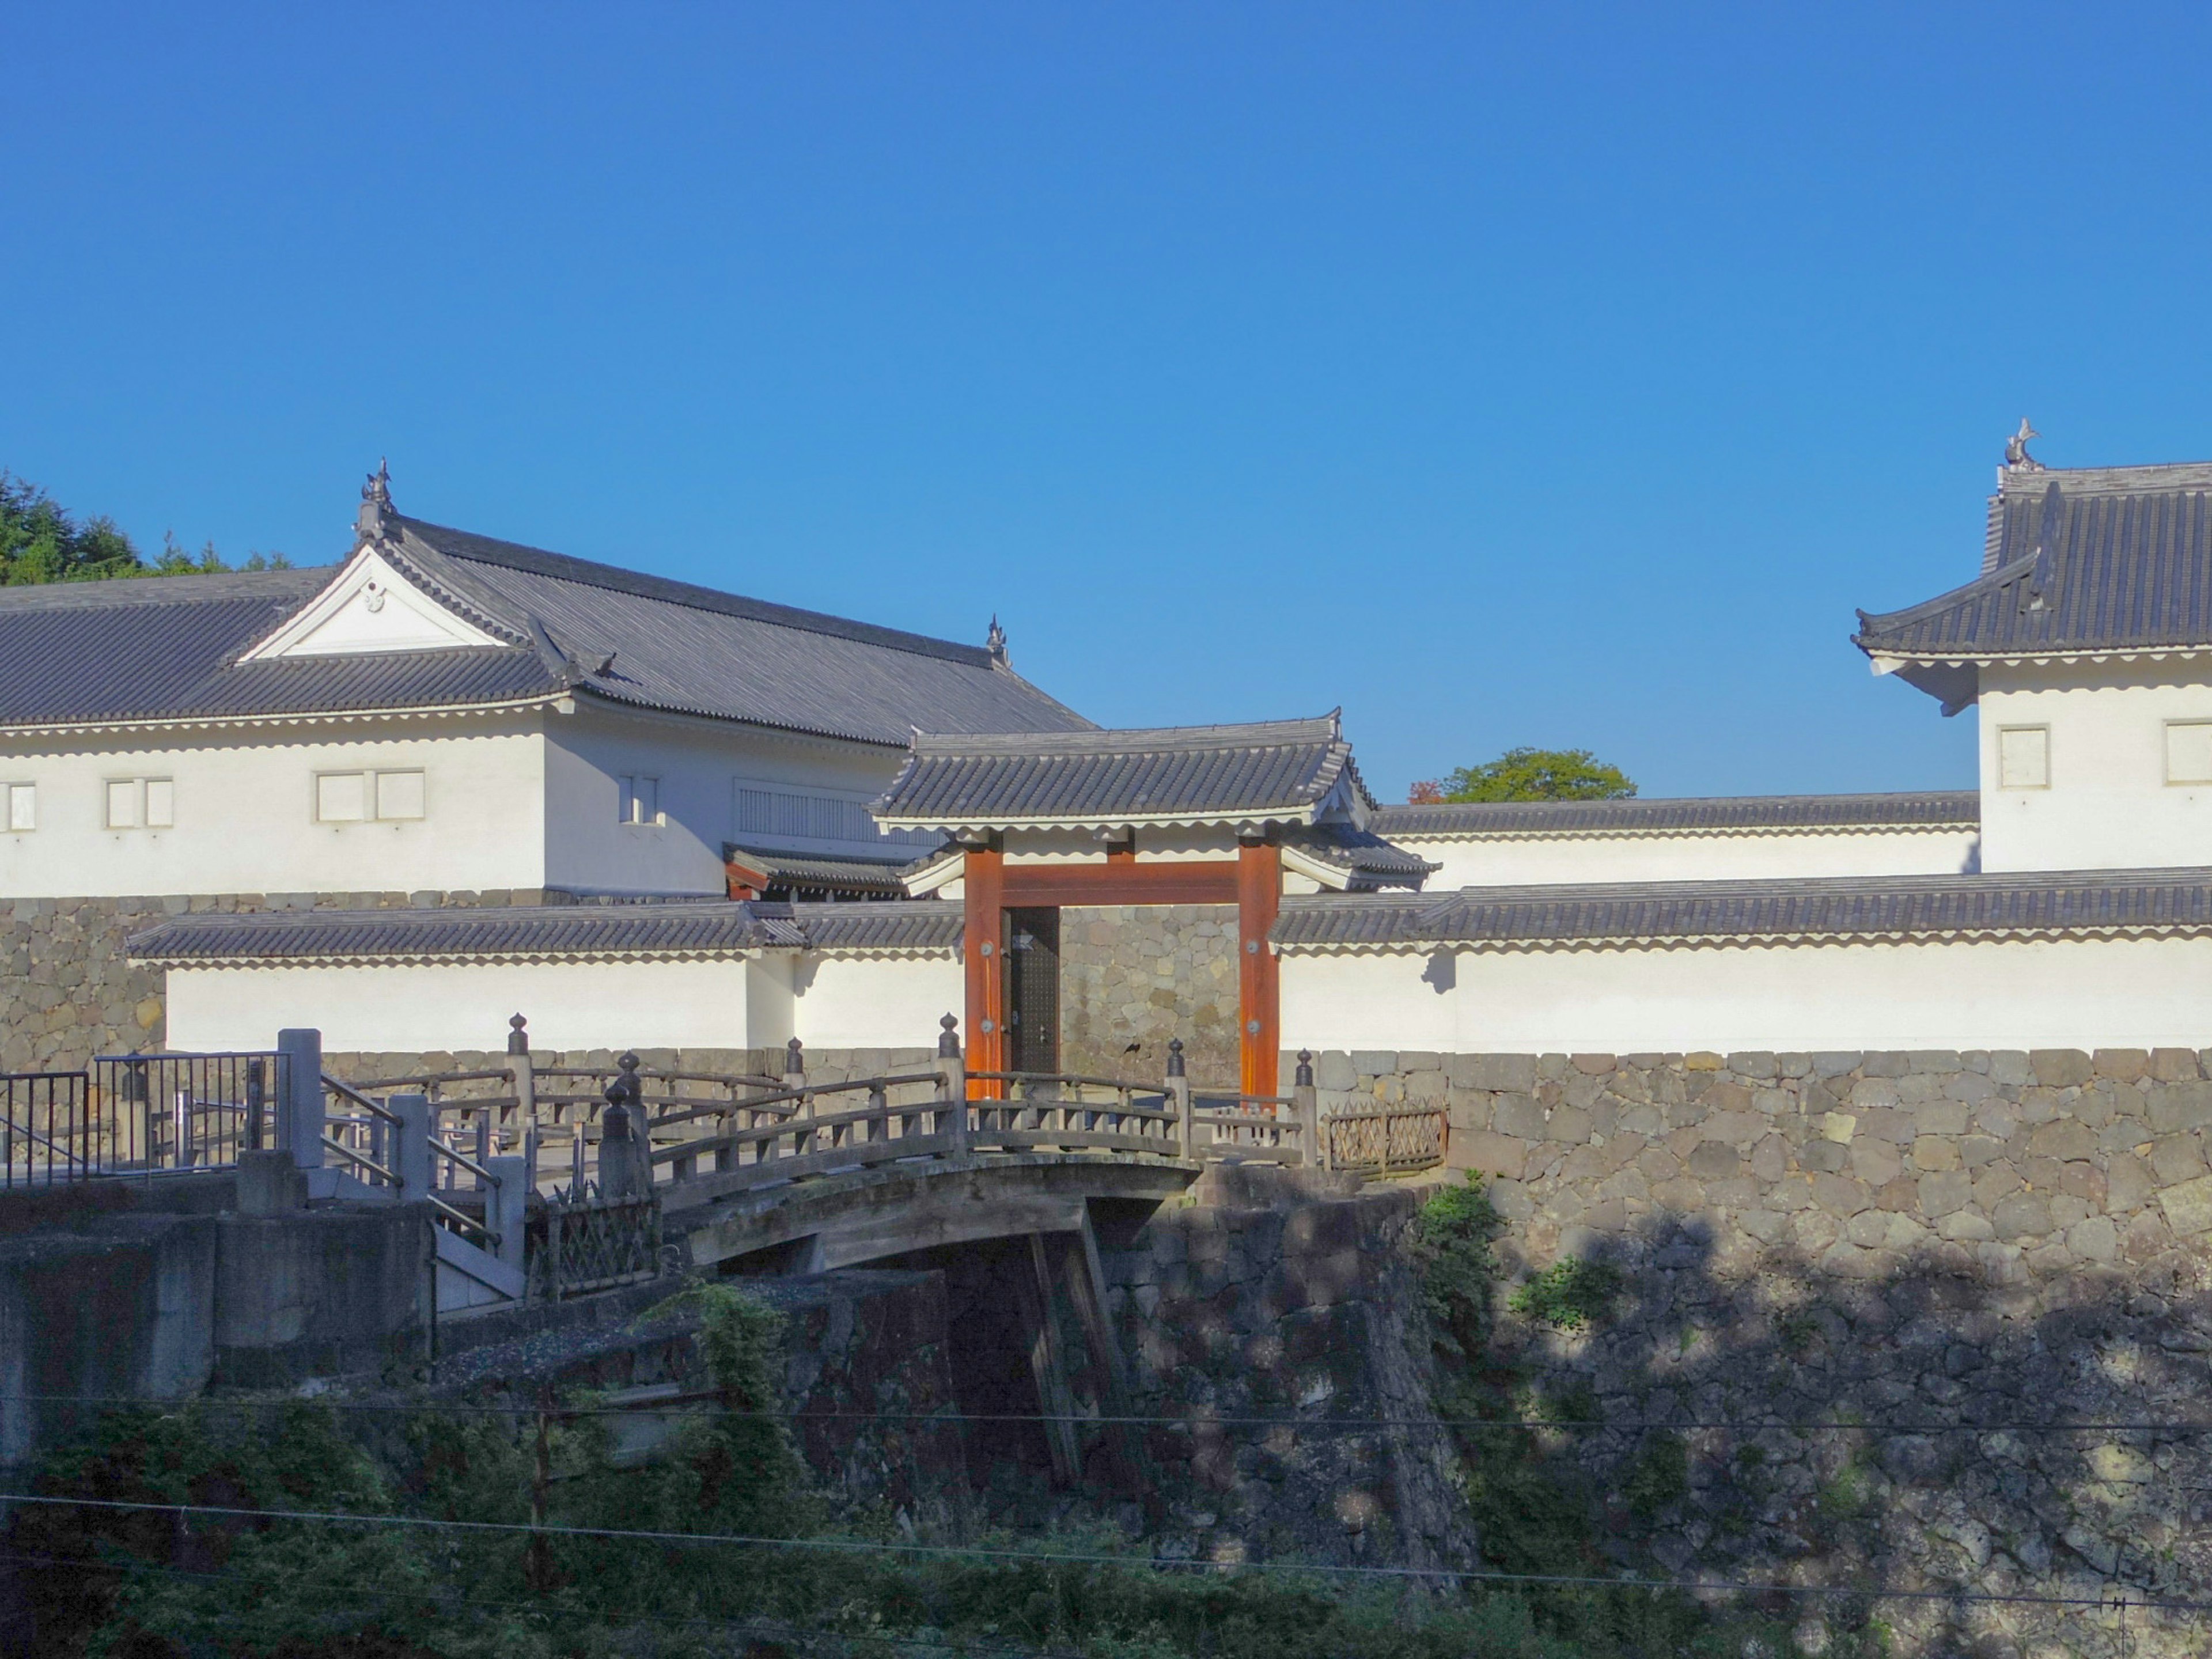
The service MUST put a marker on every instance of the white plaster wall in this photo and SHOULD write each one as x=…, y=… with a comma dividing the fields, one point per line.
x=698, y=762
x=1365, y=1002
x=245, y=811
x=1542, y=860
x=431, y=1008
x=2067, y=993
x=875, y=1002
x=2108, y=806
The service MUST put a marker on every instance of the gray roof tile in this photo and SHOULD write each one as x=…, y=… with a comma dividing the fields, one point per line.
x=696, y=651
x=1867, y=908
x=686, y=927
x=2103, y=559
x=805, y=870
x=1911, y=809
x=1278, y=770
x=1365, y=856
x=166, y=648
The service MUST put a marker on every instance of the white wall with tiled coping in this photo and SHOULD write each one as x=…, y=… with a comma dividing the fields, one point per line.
x=2074, y=992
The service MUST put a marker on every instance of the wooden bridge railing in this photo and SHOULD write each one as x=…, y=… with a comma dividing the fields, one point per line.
x=744, y=1130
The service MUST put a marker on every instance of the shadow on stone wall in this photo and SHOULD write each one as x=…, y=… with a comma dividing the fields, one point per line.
x=1913, y=1434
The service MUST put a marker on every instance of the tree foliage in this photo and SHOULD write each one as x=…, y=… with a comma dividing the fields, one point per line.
x=1529, y=774
x=41, y=541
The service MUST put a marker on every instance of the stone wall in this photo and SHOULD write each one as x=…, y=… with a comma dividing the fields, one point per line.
x=1141, y=975
x=67, y=991
x=1274, y=1295
x=1861, y=1287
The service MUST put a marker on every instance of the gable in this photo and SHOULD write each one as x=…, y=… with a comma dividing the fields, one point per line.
x=370, y=607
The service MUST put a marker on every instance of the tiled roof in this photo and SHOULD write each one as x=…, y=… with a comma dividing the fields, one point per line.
x=679, y=928
x=1887, y=906
x=2098, y=559
x=806, y=870
x=167, y=648
x=697, y=650
x=1912, y=810
x=1273, y=771
x=1363, y=857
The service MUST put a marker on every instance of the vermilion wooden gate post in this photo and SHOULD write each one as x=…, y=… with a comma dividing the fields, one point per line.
x=1259, y=976
x=984, y=947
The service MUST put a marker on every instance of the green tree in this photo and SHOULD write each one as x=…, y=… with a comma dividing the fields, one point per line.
x=42, y=542
x=1532, y=775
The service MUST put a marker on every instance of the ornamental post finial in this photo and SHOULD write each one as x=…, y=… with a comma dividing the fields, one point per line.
x=2017, y=460
x=375, y=503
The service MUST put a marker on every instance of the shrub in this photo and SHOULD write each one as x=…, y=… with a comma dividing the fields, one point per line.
x=1574, y=1295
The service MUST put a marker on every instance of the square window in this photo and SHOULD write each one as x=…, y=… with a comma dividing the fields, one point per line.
x=161, y=803
x=2188, y=752
x=22, y=806
x=2023, y=757
x=342, y=797
x=641, y=800
x=122, y=804
x=400, y=794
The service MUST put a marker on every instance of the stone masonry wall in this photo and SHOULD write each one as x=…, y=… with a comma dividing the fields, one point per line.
x=1143, y=973
x=1274, y=1294
x=68, y=992
x=1862, y=1289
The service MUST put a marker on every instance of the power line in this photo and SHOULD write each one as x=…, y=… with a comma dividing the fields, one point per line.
x=757, y=1626
x=845, y=1546
x=1793, y=1425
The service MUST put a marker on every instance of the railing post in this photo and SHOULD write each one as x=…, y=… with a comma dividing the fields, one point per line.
x=953, y=1082
x=1305, y=1104
x=522, y=1072
x=300, y=1097
x=257, y=1102
x=625, y=1169
x=1179, y=1091
x=410, y=1153
x=506, y=1208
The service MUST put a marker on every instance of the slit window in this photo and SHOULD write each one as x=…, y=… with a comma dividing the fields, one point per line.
x=22, y=806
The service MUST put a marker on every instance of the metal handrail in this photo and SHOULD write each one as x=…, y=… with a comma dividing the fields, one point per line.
x=337, y=1086
x=332, y=1144
x=461, y=1160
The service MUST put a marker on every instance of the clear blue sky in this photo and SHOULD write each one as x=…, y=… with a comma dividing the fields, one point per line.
x=1559, y=375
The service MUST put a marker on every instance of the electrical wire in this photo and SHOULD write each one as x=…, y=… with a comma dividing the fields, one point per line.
x=954, y=1551
x=1187, y=1421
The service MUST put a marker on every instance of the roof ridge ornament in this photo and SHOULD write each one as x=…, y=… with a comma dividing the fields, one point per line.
x=995, y=642
x=2017, y=460
x=376, y=512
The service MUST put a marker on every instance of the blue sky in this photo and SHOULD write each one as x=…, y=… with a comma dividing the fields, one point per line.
x=1559, y=375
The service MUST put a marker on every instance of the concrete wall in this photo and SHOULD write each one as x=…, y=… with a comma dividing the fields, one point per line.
x=245, y=812
x=2108, y=804
x=1144, y=974
x=1735, y=855
x=122, y=1291
x=1992, y=993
